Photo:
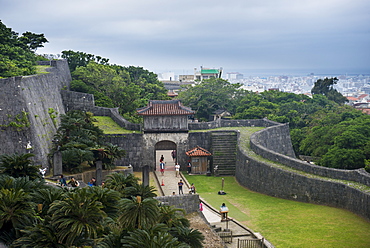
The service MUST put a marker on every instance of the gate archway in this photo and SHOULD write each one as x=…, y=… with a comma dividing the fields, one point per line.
x=165, y=148
x=165, y=145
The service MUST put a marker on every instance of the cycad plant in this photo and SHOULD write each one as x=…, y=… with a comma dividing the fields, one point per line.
x=19, y=165
x=77, y=217
x=154, y=237
x=138, y=213
x=16, y=212
x=119, y=181
x=173, y=216
x=190, y=236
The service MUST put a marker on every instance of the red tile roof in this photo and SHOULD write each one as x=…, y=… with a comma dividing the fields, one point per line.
x=351, y=98
x=165, y=107
x=366, y=111
x=363, y=96
x=198, y=152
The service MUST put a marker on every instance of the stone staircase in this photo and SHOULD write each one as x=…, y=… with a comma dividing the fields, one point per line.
x=224, y=146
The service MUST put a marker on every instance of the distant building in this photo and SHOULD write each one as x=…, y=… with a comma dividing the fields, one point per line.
x=234, y=75
x=200, y=75
x=166, y=76
x=207, y=73
x=186, y=78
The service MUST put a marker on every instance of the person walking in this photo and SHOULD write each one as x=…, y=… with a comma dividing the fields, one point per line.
x=180, y=184
x=161, y=168
x=177, y=169
x=173, y=154
x=161, y=160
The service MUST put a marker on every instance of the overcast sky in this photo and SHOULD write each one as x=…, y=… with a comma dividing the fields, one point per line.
x=173, y=35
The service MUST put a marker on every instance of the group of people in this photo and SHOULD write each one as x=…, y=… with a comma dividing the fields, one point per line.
x=74, y=183
x=192, y=189
x=162, y=164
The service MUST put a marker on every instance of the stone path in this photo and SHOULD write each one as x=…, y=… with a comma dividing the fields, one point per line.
x=168, y=183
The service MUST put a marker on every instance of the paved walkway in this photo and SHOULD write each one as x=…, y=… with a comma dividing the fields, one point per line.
x=168, y=183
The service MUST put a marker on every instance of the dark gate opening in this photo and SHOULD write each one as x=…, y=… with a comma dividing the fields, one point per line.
x=166, y=149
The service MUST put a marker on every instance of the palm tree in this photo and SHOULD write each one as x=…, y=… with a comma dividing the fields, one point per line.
x=109, y=198
x=16, y=211
x=155, y=237
x=108, y=154
x=45, y=197
x=189, y=236
x=39, y=236
x=119, y=181
x=173, y=216
x=141, y=190
x=19, y=165
x=8, y=182
x=115, y=234
x=137, y=213
x=78, y=217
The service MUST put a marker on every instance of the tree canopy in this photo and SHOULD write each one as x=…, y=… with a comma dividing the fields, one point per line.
x=209, y=96
x=326, y=87
x=17, y=53
x=127, y=88
x=80, y=142
x=34, y=214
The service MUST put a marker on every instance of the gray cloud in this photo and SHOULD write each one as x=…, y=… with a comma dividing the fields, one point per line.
x=180, y=35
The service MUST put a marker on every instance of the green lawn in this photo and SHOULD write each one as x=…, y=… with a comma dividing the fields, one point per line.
x=109, y=126
x=41, y=69
x=286, y=223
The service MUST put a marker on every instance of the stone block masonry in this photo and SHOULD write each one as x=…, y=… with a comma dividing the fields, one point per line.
x=190, y=203
x=37, y=98
x=268, y=179
x=133, y=144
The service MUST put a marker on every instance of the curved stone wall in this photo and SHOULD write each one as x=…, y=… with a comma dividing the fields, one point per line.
x=262, y=143
x=271, y=180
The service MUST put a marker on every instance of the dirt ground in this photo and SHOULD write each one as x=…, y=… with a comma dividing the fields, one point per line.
x=212, y=240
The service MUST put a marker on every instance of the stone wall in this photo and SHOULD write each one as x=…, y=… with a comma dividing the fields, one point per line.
x=269, y=179
x=133, y=144
x=190, y=203
x=231, y=123
x=38, y=98
x=276, y=138
x=202, y=139
x=263, y=143
x=85, y=102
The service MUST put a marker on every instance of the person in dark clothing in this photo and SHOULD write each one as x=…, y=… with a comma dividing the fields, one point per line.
x=62, y=181
x=180, y=184
x=74, y=183
x=189, y=167
x=173, y=154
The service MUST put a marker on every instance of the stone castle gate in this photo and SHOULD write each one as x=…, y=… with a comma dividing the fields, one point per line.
x=164, y=141
x=165, y=128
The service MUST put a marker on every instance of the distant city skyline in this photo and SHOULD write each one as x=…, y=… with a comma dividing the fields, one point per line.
x=276, y=72
x=319, y=36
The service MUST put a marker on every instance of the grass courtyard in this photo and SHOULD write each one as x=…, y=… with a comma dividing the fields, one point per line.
x=285, y=223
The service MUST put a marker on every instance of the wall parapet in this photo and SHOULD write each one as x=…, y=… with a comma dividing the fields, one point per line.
x=265, y=178
x=73, y=100
x=232, y=123
x=190, y=203
x=257, y=143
